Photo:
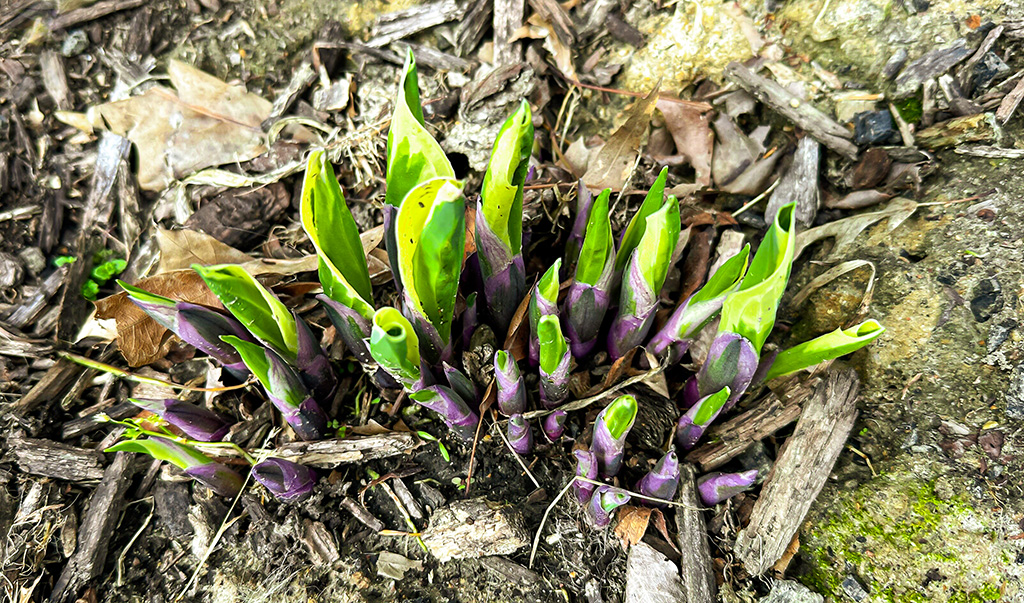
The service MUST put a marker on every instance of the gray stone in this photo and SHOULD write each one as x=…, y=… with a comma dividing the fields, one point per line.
x=1015, y=393
x=787, y=591
x=33, y=259
x=854, y=589
x=651, y=577
x=11, y=271
x=75, y=44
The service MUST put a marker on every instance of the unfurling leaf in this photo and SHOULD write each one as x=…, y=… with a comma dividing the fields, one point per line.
x=630, y=238
x=395, y=346
x=827, y=347
x=254, y=306
x=326, y=219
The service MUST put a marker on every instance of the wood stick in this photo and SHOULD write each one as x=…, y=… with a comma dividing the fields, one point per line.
x=91, y=13
x=53, y=459
x=818, y=126
x=728, y=440
x=695, y=562
x=508, y=17
x=803, y=466
x=98, y=526
x=327, y=454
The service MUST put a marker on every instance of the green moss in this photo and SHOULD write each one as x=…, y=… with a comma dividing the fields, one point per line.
x=910, y=109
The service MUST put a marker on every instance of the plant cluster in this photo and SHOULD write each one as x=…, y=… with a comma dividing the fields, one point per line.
x=608, y=302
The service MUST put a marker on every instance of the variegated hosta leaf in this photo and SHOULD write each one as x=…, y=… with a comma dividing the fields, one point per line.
x=330, y=226
x=750, y=311
x=413, y=154
x=502, y=191
x=254, y=306
x=431, y=234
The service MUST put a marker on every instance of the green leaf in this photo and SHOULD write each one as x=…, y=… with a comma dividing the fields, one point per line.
x=431, y=234
x=710, y=406
x=253, y=355
x=90, y=289
x=330, y=226
x=702, y=306
x=394, y=345
x=254, y=306
x=654, y=252
x=413, y=154
x=751, y=310
x=553, y=345
x=827, y=347
x=619, y=415
x=63, y=260
x=548, y=284
x=178, y=454
x=597, y=243
x=502, y=191
x=145, y=296
x=637, y=226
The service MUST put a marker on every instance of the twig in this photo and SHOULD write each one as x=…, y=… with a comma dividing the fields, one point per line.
x=145, y=524
x=696, y=105
x=757, y=199
x=519, y=459
x=585, y=402
x=113, y=370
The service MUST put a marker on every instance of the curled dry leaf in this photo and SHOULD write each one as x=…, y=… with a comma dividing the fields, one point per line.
x=691, y=131
x=611, y=166
x=140, y=338
x=632, y=524
x=179, y=249
x=204, y=122
x=847, y=229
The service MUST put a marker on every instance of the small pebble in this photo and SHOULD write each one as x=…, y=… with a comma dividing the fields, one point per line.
x=75, y=44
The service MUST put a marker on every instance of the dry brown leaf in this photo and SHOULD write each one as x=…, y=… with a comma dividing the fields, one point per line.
x=659, y=522
x=140, y=338
x=611, y=166
x=632, y=524
x=206, y=123
x=847, y=229
x=372, y=238
x=691, y=131
x=179, y=249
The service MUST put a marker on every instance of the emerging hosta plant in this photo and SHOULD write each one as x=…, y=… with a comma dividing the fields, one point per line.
x=590, y=291
x=217, y=476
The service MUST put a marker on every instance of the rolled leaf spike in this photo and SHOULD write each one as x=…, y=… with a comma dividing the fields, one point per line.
x=554, y=425
x=284, y=388
x=543, y=302
x=196, y=325
x=509, y=381
x=315, y=369
x=554, y=362
x=196, y=422
x=603, y=503
x=352, y=326
x=453, y=409
x=661, y=481
x=413, y=156
x=586, y=466
x=287, y=481
x=686, y=322
x=731, y=362
x=719, y=487
x=645, y=271
x=589, y=294
x=610, y=430
x=396, y=348
x=696, y=420
x=520, y=436
x=499, y=217
x=584, y=204
x=460, y=383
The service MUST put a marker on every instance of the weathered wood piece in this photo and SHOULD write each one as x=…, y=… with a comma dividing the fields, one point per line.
x=55, y=80
x=434, y=58
x=803, y=466
x=799, y=184
x=983, y=127
x=651, y=577
x=53, y=459
x=395, y=26
x=96, y=530
x=359, y=512
x=91, y=13
x=327, y=454
x=1010, y=103
x=965, y=75
x=28, y=310
x=508, y=17
x=931, y=65
x=472, y=26
x=511, y=571
x=302, y=78
x=698, y=575
x=552, y=12
x=819, y=126
x=468, y=529
x=728, y=440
